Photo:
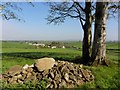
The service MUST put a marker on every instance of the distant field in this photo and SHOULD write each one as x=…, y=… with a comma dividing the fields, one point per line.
x=22, y=53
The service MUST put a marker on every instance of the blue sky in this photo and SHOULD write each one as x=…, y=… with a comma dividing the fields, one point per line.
x=35, y=26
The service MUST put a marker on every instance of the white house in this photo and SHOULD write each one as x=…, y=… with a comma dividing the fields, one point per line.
x=48, y=46
x=43, y=45
x=53, y=47
x=63, y=46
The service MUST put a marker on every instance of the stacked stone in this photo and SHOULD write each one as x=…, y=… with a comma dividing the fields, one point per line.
x=19, y=75
x=59, y=74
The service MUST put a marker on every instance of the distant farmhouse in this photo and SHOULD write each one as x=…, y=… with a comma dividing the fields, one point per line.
x=52, y=45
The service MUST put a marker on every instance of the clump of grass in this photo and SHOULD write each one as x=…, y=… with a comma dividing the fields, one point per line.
x=105, y=77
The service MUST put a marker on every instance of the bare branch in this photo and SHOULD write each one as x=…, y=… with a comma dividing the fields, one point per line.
x=113, y=9
x=77, y=3
x=59, y=11
x=81, y=23
x=73, y=16
x=80, y=18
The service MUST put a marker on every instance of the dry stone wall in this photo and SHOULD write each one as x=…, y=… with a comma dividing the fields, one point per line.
x=58, y=73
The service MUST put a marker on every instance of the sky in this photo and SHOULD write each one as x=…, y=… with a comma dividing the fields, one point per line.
x=35, y=26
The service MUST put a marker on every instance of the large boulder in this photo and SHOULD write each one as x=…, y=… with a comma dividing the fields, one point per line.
x=44, y=63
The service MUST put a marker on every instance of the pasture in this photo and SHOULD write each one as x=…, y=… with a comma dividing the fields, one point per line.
x=21, y=53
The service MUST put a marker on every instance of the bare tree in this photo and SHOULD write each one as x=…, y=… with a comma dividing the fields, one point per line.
x=9, y=10
x=103, y=11
x=99, y=43
x=76, y=10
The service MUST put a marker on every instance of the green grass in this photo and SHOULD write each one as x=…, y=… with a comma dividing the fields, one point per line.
x=105, y=77
x=22, y=53
x=113, y=45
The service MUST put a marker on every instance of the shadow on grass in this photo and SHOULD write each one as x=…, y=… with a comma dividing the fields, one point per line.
x=36, y=55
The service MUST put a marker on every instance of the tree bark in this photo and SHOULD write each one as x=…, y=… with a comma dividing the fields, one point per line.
x=86, y=45
x=99, y=44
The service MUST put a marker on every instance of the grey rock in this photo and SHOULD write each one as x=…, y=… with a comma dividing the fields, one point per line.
x=20, y=82
x=28, y=75
x=72, y=77
x=39, y=76
x=55, y=85
x=14, y=70
x=70, y=66
x=29, y=69
x=52, y=75
x=66, y=76
x=24, y=72
x=57, y=76
x=62, y=84
x=51, y=86
x=79, y=82
x=65, y=69
x=50, y=79
x=15, y=77
x=19, y=76
x=44, y=63
x=45, y=72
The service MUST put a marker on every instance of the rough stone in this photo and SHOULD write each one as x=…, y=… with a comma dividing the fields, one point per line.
x=70, y=85
x=29, y=69
x=62, y=84
x=72, y=77
x=28, y=75
x=14, y=82
x=57, y=76
x=51, y=86
x=45, y=72
x=19, y=76
x=65, y=69
x=75, y=72
x=52, y=75
x=85, y=74
x=32, y=78
x=44, y=63
x=63, y=74
x=79, y=82
x=14, y=70
x=14, y=77
x=81, y=65
x=10, y=80
x=20, y=82
x=26, y=66
x=39, y=76
x=70, y=66
x=66, y=77
x=60, y=63
x=55, y=85
x=23, y=77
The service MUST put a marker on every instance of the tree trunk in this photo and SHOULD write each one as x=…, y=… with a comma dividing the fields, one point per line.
x=86, y=45
x=99, y=44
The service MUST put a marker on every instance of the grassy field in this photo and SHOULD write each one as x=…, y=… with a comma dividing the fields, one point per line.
x=21, y=53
